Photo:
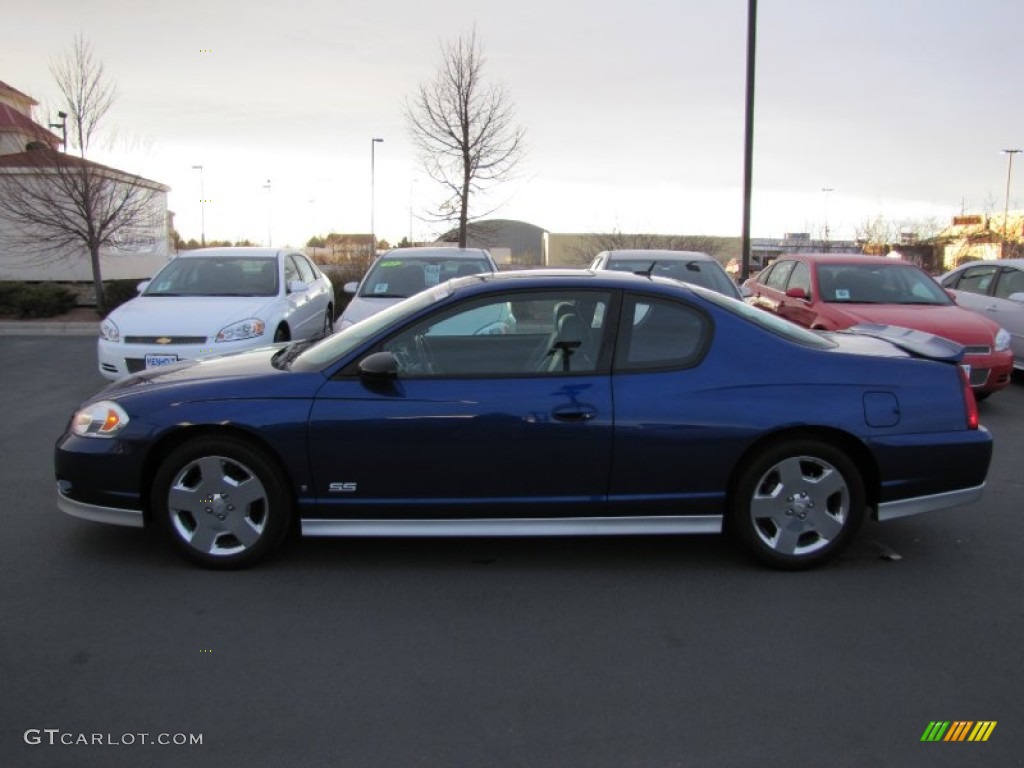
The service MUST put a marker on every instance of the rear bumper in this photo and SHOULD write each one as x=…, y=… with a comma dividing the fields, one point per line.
x=893, y=510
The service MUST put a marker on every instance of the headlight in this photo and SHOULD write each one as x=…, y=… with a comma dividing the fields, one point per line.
x=103, y=419
x=1002, y=340
x=245, y=329
x=109, y=330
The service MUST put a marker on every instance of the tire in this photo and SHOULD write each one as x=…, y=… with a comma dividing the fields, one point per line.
x=328, y=328
x=798, y=504
x=222, y=502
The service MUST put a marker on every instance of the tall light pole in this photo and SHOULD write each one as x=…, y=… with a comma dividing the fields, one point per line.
x=748, y=136
x=1006, y=206
x=373, y=231
x=270, y=240
x=63, y=125
x=826, y=190
x=202, y=206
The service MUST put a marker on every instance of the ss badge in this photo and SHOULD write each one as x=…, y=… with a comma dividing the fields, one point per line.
x=342, y=488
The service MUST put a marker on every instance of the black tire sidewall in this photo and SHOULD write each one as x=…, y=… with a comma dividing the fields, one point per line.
x=279, y=507
x=740, y=524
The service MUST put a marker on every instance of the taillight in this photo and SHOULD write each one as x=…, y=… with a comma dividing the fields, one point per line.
x=970, y=403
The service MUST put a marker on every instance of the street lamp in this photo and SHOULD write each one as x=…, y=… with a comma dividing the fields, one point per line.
x=1006, y=206
x=270, y=241
x=373, y=231
x=202, y=206
x=63, y=125
x=826, y=190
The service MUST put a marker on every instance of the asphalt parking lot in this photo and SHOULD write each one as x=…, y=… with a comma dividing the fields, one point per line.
x=610, y=652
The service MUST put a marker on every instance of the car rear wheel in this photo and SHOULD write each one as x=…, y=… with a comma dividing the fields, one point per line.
x=798, y=504
x=222, y=502
x=328, y=328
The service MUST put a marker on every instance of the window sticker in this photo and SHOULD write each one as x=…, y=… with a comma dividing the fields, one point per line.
x=391, y=263
x=432, y=274
x=843, y=293
x=380, y=288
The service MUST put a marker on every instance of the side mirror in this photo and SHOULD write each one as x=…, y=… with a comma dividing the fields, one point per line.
x=379, y=366
x=297, y=286
x=1017, y=297
x=351, y=287
x=142, y=286
x=796, y=293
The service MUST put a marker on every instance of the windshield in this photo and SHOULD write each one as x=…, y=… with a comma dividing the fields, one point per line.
x=897, y=283
x=708, y=274
x=772, y=323
x=341, y=343
x=216, y=276
x=395, y=277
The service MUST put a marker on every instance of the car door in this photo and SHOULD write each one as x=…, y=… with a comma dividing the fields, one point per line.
x=304, y=320
x=477, y=424
x=768, y=292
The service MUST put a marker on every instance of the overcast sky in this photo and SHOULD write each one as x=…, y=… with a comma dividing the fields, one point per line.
x=633, y=111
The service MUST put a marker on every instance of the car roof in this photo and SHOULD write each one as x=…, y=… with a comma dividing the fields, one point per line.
x=433, y=251
x=250, y=251
x=585, y=278
x=640, y=254
x=843, y=258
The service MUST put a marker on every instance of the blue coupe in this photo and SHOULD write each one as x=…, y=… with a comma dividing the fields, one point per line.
x=537, y=403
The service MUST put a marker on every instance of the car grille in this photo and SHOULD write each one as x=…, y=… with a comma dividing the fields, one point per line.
x=165, y=340
x=980, y=349
x=979, y=377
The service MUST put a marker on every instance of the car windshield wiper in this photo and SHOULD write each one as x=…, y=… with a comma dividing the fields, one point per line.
x=385, y=296
x=284, y=358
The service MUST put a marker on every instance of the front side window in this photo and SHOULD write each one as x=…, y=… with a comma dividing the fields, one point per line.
x=779, y=275
x=514, y=334
x=975, y=279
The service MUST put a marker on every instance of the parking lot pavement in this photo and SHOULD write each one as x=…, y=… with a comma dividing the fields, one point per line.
x=654, y=651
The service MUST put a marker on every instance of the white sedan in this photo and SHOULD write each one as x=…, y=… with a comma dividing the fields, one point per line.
x=214, y=301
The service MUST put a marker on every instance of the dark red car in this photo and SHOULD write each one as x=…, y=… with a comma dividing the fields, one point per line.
x=831, y=292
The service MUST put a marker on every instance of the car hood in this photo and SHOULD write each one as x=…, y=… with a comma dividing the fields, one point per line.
x=952, y=322
x=361, y=307
x=184, y=315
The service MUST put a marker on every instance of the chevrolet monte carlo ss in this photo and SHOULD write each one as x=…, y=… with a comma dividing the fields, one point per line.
x=614, y=404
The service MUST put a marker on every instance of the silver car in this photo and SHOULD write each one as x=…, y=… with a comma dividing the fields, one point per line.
x=994, y=289
x=688, y=266
x=402, y=272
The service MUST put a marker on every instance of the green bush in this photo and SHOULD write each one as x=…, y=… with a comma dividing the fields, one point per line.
x=117, y=292
x=25, y=300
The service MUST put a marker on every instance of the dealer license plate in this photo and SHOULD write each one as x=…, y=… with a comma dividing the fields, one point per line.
x=155, y=361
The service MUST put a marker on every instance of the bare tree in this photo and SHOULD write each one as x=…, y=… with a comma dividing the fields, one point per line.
x=55, y=201
x=85, y=90
x=464, y=131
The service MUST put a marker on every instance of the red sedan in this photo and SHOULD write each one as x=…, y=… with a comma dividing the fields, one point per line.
x=831, y=292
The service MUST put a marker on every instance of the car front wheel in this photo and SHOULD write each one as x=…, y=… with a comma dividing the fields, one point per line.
x=798, y=504
x=222, y=502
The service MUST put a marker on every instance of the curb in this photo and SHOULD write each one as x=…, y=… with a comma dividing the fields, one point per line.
x=48, y=328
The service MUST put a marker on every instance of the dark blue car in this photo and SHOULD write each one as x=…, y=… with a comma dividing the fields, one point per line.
x=601, y=403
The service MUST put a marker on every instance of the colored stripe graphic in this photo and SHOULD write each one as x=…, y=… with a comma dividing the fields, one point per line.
x=958, y=730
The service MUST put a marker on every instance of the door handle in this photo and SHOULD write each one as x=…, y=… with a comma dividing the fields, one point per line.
x=574, y=413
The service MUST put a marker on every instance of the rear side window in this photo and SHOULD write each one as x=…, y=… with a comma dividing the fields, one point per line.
x=659, y=333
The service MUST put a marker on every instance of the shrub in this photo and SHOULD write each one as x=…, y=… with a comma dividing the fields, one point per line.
x=117, y=292
x=35, y=299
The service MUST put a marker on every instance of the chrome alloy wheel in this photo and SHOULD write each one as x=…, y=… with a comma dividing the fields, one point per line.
x=218, y=506
x=800, y=505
